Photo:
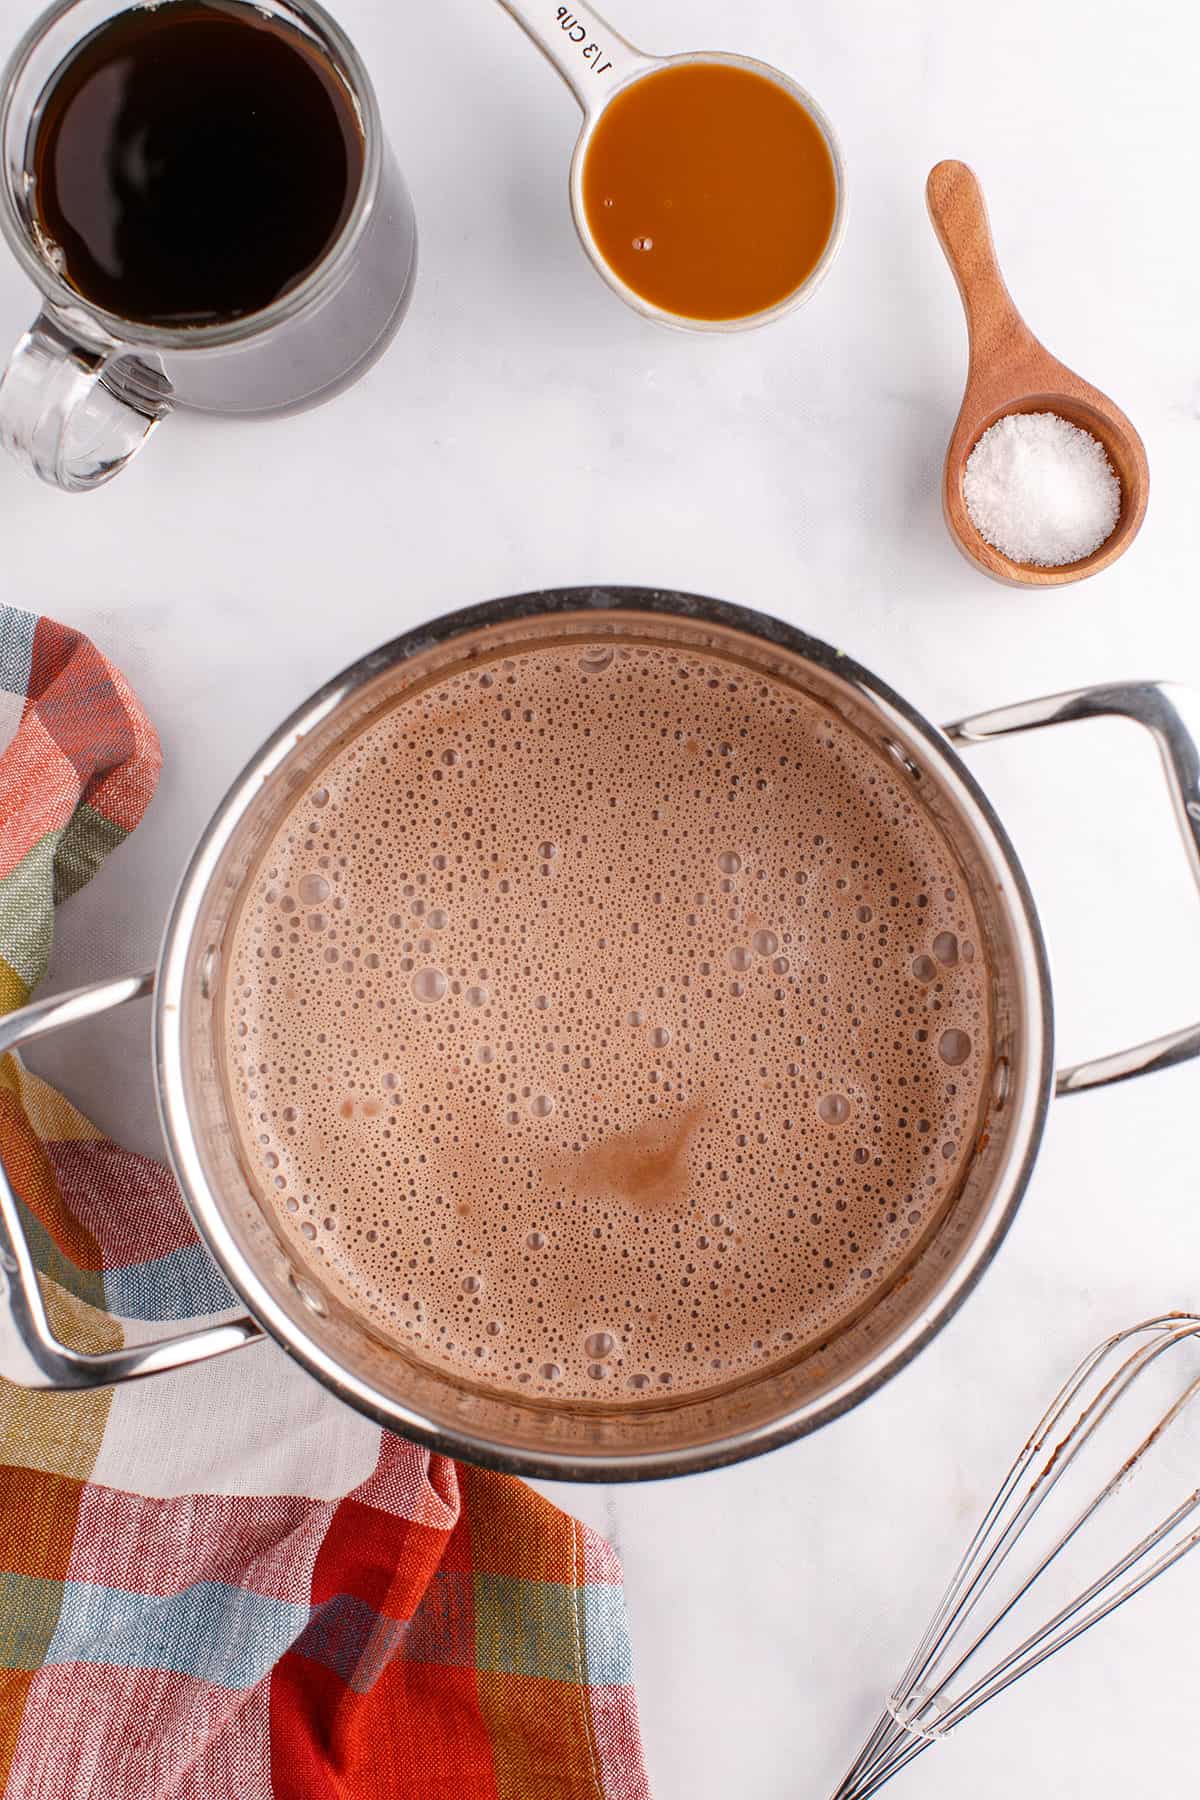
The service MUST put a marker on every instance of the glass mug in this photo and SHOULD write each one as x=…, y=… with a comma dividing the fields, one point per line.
x=85, y=388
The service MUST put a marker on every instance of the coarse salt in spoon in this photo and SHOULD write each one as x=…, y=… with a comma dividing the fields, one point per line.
x=1009, y=373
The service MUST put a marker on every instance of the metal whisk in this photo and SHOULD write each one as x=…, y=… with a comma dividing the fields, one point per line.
x=1067, y=1507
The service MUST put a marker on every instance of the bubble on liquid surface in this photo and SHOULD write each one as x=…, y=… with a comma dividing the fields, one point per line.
x=660, y=1037
x=740, y=958
x=476, y=996
x=764, y=943
x=924, y=968
x=945, y=948
x=542, y=1105
x=954, y=1047
x=429, y=985
x=312, y=889
x=595, y=660
x=833, y=1109
x=599, y=1344
x=729, y=862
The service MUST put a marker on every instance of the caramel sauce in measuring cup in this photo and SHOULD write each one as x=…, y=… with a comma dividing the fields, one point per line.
x=707, y=188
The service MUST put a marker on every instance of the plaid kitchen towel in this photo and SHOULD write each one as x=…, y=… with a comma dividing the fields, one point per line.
x=220, y=1582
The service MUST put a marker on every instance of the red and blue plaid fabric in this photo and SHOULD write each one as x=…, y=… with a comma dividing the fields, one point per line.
x=221, y=1583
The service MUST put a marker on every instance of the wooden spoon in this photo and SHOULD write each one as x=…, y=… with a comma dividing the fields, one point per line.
x=1011, y=372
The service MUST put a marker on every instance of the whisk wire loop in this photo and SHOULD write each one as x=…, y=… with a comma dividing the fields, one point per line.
x=922, y=1709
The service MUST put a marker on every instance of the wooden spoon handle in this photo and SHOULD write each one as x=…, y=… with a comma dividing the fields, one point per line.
x=998, y=334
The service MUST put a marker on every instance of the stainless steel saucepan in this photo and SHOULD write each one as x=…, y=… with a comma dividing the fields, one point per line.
x=340, y=1347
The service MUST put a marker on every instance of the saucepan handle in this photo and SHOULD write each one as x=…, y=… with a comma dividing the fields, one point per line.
x=31, y=1355
x=1171, y=715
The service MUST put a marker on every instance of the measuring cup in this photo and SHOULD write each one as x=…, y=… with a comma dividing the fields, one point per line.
x=597, y=64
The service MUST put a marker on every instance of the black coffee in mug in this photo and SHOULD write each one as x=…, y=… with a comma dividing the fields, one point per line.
x=194, y=162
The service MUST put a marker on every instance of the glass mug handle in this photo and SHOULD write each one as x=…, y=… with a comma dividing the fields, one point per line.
x=74, y=414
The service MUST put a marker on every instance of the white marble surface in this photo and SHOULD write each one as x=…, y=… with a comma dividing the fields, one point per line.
x=526, y=430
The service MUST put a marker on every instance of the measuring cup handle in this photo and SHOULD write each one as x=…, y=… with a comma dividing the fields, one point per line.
x=1171, y=715
x=31, y=1356
x=74, y=415
x=592, y=58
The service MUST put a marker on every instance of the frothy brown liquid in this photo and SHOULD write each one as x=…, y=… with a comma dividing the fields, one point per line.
x=607, y=1021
